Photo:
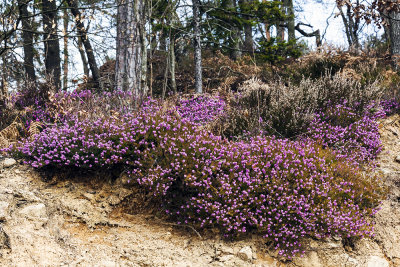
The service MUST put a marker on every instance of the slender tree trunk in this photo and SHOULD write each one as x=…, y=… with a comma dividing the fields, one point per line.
x=280, y=30
x=27, y=39
x=248, y=31
x=129, y=55
x=83, y=57
x=172, y=62
x=235, y=38
x=267, y=29
x=4, y=82
x=153, y=48
x=164, y=89
x=353, y=28
x=86, y=43
x=248, y=39
x=66, y=54
x=346, y=26
x=51, y=46
x=394, y=32
x=163, y=40
x=197, y=47
x=144, y=40
x=290, y=22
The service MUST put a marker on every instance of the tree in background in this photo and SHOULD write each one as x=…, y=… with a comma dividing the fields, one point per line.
x=52, y=58
x=27, y=40
x=73, y=5
x=197, y=47
x=393, y=18
x=129, y=46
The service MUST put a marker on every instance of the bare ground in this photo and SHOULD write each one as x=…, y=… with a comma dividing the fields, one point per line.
x=78, y=223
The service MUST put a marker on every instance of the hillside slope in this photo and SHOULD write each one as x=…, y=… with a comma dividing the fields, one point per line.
x=78, y=223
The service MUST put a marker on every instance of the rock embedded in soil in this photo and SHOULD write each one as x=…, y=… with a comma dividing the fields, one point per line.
x=34, y=211
x=246, y=253
x=8, y=162
x=375, y=261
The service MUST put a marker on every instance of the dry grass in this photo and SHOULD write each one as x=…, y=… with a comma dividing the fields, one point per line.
x=285, y=110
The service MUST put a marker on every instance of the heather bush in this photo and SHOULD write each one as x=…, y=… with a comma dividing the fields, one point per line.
x=284, y=190
x=354, y=135
x=200, y=109
x=287, y=110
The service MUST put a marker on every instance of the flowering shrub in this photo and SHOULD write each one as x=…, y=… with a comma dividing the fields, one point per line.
x=201, y=109
x=284, y=190
x=352, y=134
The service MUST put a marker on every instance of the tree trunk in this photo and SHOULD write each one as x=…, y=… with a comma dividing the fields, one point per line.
x=290, y=22
x=197, y=48
x=346, y=26
x=248, y=31
x=86, y=43
x=145, y=40
x=4, y=82
x=394, y=31
x=235, y=37
x=52, y=59
x=280, y=30
x=351, y=26
x=83, y=57
x=66, y=54
x=27, y=39
x=172, y=62
x=129, y=55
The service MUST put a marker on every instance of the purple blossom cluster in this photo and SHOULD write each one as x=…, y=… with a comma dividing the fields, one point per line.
x=284, y=190
x=353, y=134
x=390, y=105
x=201, y=109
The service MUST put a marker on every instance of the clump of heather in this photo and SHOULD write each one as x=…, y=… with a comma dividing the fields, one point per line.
x=89, y=143
x=355, y=135
x=390, y=106
x=284, y=190
x=201, y=109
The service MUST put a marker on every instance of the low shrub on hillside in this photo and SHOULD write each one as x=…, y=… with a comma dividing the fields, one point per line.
x=352, y=134
x=287, y=110
x=284, y=190
x=200, y=109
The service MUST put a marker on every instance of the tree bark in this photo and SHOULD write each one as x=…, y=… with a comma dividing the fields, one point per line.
x=280, y=30
x=290, y=22
x=197, y=48
x=66, y=54
x=248, y=31
x=52, y=59
x=4, y=82
x=235, y=37
x=27, y=39
x=145, y=16
x=172, y=62
x=86, y=43
x=394, y=32
x=83, y=57
x=351, y=26
x=129, y=47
